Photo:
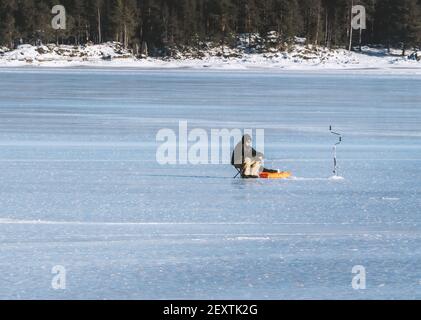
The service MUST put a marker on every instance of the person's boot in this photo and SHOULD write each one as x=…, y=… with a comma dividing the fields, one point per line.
x=255, y=170
x=249, y=177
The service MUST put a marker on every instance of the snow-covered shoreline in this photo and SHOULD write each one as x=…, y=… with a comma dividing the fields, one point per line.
x=297, y=58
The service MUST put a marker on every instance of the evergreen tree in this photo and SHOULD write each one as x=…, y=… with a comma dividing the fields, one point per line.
x=409, y=24
x=7, y=22
x=123, y=19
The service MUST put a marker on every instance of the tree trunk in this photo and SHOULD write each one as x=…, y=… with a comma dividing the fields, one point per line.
x=125, y=36
x=351, y=28
x=99, y=27
x=326, y=28
x=144, y=49
x=316, y=42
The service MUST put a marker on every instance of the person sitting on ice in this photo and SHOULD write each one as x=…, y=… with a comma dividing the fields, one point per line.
x=246, y=159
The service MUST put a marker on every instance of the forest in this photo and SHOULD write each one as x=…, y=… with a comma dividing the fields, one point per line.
x=162, y=24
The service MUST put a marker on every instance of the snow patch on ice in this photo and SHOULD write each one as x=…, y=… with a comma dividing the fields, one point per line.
x=334, y=178
x=250, y=238
x=390, y=199
x=103, y=223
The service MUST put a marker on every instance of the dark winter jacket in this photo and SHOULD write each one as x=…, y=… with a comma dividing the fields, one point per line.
x=241, y=151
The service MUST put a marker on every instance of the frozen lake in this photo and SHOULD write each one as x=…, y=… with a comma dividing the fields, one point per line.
x=80, y=186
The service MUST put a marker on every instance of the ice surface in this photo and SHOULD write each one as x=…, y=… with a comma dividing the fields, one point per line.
x=80, y=186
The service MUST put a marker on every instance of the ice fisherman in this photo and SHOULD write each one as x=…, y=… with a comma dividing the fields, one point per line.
x=246, y=159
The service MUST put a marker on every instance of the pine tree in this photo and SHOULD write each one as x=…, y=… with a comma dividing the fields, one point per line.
x=7, y=22
x=123, y=19
x=409, y=24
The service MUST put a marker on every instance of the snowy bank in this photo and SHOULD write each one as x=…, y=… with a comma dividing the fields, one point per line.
x=295, y=57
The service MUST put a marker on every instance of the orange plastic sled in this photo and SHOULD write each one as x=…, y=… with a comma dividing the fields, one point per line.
x=280, y=175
